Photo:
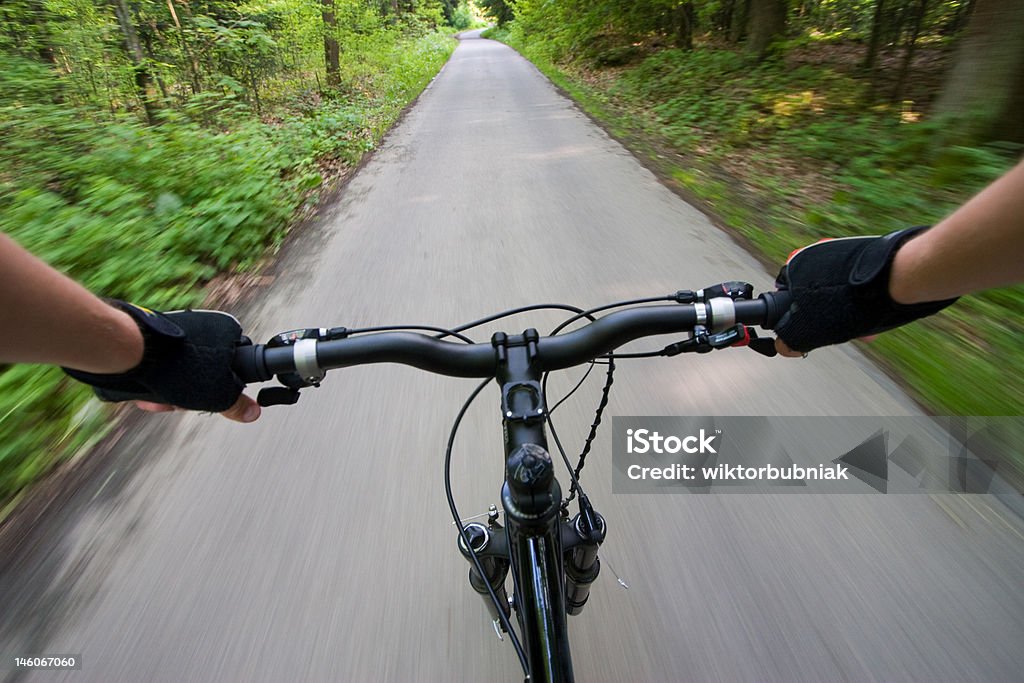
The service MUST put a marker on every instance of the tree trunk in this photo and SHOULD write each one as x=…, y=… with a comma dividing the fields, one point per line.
x=959, y=20
x=870, y=63
x=134, y=51
x=738, y=23
x=147, y=39
x=984, y=89
x=871, y=57
x=44, y=46
x=189, y=57
x=332, y=53
x=682, y=23
x=895, y=24
x=767, y=22
x=908, y=55
x=254, y=84
x=723, y=19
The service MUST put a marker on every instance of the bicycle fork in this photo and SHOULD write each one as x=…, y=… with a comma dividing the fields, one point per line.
x=553, y=560
x=581, y=538
x=491, y=548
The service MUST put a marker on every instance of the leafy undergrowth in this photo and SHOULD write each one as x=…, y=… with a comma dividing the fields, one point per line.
x=151, y=214
x=787, y=152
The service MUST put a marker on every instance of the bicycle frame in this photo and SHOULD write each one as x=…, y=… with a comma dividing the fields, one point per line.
x=553, y=561
x=531, y=498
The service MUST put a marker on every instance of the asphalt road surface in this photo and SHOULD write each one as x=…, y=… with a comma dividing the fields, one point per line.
x=316, y=545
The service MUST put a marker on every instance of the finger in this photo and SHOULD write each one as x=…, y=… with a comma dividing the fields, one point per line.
x=151, y=407
x=784, y=350
x=244, y=410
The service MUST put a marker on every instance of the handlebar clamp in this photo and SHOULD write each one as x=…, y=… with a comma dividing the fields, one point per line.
x=530, y=409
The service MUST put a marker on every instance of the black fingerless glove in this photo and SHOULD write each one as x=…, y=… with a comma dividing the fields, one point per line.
x=186, y=361
x=840, y=291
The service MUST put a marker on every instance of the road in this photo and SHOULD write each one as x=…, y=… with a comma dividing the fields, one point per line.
x=316, y=545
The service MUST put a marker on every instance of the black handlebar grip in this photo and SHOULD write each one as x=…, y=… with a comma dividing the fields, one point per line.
x=249, y=364
x=776, y=305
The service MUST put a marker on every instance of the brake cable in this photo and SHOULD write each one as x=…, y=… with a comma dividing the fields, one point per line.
x=465, y=538
x=573, y=473
x=682, y=296
x=505, y=623
x=514, y=311
x=443, y=332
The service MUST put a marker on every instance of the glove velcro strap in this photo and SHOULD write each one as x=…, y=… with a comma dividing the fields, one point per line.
x=878, y=254
x=840, y=291
x=186, y=361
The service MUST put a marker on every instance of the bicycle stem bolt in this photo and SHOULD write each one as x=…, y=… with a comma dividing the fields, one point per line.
x=529, y=469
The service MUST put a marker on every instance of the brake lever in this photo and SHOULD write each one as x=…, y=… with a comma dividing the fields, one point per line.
x=277, y=396
x=737, y=335
x=743, y=335
x=763, y=345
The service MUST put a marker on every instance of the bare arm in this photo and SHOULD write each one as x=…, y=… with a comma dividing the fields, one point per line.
x=979, y=246
x=47, y=317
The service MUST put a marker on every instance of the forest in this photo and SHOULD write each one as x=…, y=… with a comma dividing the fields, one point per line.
x=789, y=121
x=150, y=147
x=980, y=41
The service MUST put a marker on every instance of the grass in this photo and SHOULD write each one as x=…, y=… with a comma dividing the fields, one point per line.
x=151, y=214
x=786, y=153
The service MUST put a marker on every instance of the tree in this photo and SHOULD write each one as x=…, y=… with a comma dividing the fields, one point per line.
x=871, y=57
x=26, y=24
x=984, y=89
x=683, y=21
x=193, y=64
x=767, y=21
x=332, y=52
x=908, y=54
x=500, y=10
x=739, y=11
x=132, y=47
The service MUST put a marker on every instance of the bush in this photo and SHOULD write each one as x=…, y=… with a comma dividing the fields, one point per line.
x=151, y=213
x=807, y=159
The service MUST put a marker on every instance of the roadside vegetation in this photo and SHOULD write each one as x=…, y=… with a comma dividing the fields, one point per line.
x=795, y=121
x=149, y=146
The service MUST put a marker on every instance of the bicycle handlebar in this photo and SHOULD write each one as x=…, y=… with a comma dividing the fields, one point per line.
x=258, y=363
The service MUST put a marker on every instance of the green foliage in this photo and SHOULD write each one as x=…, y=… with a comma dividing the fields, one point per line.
x=884, y=171
x=150, y=213
x=589, y=29
x=499, y=10
x=809, y=160
x=463, y=17
x=171, y=204
x=40, y=408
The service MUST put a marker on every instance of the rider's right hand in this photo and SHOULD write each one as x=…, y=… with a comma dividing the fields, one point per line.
x=840, y=291
x=186, y=363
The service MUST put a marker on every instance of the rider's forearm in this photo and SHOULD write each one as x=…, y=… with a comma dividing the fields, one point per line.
x=47, y=317
x=980, y=245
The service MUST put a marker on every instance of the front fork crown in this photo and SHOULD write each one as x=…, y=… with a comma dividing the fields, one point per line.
x=580, y=537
